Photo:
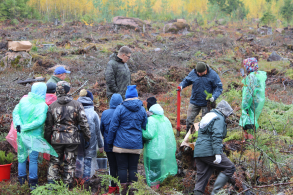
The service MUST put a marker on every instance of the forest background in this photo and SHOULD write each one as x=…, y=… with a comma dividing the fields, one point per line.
x=273, y=12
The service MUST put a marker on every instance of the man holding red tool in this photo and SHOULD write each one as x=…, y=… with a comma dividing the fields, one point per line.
x=202, y=79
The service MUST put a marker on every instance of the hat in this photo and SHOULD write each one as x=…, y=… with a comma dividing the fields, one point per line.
x=60, y=70
x=85, y=93
x=51, y=87
x=224, y=108
x=151, y=101
x=250, y=64
x=201, y=67
x=62, y=88
x=131, y=91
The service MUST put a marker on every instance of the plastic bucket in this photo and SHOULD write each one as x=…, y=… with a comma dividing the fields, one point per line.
x=102, y=163
x=5, y=172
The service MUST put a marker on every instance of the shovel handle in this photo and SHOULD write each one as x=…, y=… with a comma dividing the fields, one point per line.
x=178, y=109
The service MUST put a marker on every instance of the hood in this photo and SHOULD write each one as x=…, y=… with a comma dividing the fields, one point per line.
x=85, y=101
x=39, y=89
x=64, y=99
x=50, y=98
x=133, y=105
x=224, y=108
x=114, y=56
x=116, y=99
x=157, y=109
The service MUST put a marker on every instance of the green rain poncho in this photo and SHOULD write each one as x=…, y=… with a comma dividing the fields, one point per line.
x=253, y=98
x=30, y=114
x=159, y=147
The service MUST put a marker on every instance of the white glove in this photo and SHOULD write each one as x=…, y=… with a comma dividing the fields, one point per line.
x=212, y=99
x=218, y=159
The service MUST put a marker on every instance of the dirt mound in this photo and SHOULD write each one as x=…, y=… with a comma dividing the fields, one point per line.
x=177, y=74
x=42, y=65
x=149, y=83
x=15, y=60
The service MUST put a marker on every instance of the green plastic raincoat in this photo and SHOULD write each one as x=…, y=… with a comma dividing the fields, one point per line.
x=253, y=98
x=159, y=147
x=30, y=114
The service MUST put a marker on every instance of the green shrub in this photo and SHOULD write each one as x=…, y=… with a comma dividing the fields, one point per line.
x=14, y=22
x=9, y=188
x=235, y=135
x=6, y=159
x=59, y=188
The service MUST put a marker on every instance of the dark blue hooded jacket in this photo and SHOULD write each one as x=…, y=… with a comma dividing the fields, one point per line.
x=126, y=126
x=210, y=82
x=106, y=118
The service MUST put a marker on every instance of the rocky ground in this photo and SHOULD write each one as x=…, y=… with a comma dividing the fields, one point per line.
x=158, y=64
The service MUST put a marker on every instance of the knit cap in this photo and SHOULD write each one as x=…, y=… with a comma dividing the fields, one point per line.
x=51, y=87
x=85, y=93
x=201, y=67
x=151, y=101
x=131, y=91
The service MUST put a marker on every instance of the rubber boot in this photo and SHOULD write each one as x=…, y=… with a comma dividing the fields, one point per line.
x=111, y=190
x=221, y=180
x=196, y=192
x=33, y=183
x=22, y=180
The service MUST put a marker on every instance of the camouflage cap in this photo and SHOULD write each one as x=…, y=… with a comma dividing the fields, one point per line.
x=224, y=108
x=62, y=88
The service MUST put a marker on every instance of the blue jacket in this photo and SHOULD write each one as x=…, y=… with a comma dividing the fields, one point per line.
x=210, y=82
x=126, y=126
x=106, y=118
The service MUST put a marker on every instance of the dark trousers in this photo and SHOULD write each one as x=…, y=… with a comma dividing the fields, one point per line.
x=127, y=161
x=70, y=152
x=192, y=112
x=205, y=167
x=113, y=166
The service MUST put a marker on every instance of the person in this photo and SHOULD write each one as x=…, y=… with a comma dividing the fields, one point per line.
x=208, y=152
x=86, y=99
x=117, y=73
x=150, y=101
x=125, y=135
x=202, y=79
x=29, y=117
x=63, y=118
x=106, y=119
x=59, y=75
x=253, y=97
x=50, y=95
x=159, y=146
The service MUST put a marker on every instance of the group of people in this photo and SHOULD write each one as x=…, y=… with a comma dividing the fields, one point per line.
x=49, y=121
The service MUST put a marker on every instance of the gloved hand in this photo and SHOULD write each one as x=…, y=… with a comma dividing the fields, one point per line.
x=179, y=89
x=18, y=129
x=218, y=159
x=86, y=145
x=212, y=99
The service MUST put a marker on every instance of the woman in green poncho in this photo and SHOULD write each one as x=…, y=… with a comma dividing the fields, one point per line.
x=253, y=96
x=159, y=147
x=28, y=118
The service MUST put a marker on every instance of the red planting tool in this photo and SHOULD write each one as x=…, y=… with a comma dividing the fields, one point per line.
x=178, y=110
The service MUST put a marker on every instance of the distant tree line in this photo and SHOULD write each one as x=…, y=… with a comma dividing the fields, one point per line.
x=104, y=10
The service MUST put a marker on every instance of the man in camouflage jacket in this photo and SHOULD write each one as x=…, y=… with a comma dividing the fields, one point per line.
x=117, y=73
x=63, y=118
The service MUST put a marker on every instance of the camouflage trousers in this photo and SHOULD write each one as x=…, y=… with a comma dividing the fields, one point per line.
x=70, y=152
x=192, y=112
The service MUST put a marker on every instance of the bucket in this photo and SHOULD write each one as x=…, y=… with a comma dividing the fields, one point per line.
x=102, y=163
x=5, y=172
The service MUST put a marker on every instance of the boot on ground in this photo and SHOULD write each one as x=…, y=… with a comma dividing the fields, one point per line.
x=220, y=182
x=124, y=189
x=33, y=183
x=22, y=180
x=196, y=192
